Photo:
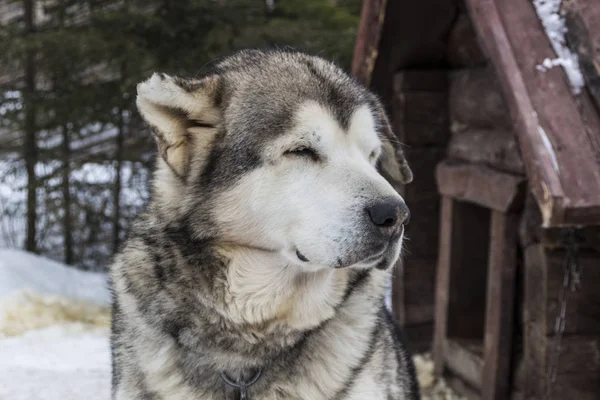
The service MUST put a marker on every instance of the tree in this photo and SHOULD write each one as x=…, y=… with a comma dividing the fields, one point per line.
x=30, y=145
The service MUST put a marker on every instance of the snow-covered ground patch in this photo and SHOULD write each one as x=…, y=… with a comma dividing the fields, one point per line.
x=26, y=311
x=55, y=364
x=54, y=326
x=20, y=270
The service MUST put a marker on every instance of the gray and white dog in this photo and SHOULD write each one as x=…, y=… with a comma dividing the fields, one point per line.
x=260, y=267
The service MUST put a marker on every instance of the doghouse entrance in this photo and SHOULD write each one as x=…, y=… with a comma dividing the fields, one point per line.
x=467, y=276
x=475, y=295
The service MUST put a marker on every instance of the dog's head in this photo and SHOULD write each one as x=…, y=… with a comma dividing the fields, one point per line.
x=280, y=151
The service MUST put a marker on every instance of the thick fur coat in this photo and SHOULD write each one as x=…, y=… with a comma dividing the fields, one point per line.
x=270, y=238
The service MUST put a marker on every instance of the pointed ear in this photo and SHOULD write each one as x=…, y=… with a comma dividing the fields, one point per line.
x=392, y=163
x=177, y=109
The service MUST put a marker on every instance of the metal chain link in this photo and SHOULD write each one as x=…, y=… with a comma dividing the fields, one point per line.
x=571, y=283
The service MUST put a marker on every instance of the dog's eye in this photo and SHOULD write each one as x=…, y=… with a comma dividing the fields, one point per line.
x=303, y=151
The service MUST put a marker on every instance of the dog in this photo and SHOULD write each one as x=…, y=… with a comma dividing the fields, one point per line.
x=259, y=269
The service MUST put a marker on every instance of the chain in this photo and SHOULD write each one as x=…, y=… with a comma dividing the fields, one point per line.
x=571, y=283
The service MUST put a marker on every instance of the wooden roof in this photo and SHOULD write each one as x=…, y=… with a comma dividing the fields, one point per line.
x=367, y=41
x=559, y=133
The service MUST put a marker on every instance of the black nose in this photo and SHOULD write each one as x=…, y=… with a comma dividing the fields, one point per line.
x=389, y=213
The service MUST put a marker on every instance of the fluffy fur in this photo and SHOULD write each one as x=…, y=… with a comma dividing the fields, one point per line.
x=261, y=250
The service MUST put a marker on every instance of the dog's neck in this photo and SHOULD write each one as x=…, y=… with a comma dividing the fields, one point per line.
x=243, y=306
x=264, y=288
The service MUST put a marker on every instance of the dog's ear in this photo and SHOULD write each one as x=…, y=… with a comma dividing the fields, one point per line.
x=392, y=163
x=179, y=111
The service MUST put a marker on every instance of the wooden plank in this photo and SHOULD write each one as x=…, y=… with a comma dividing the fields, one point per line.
x=578, y=386
x=530, y=227
x=544, y=278
x=481, y=185
x=442, y=289
x=426, y=23
x=476, y=100
x=581, y=342
x=564, y=175
x=500, y=305
x=583, y=34
x=463, y=49
x=367, y=41
x=461, y=361
x=421, y=118
x=420, y=107
x=578, y=366
x=534, y=357
x=460, y=302
x=589, y=238
x=583, y=310
x=578, y=353
x=497, y=148
x=421, y=80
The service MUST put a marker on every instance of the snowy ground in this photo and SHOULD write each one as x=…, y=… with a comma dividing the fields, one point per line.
x=55, y=364
x=54, y=325
x=20, y=270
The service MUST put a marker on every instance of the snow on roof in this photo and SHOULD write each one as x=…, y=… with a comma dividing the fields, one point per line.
x=548, y=12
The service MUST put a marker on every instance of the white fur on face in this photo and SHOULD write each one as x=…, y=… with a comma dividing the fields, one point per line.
x=296, y=204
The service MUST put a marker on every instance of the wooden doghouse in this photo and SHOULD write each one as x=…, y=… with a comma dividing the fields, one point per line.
x=506, y=197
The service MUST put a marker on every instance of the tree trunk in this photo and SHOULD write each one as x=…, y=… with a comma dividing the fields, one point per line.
x=30, y=153
x=66, y=162
x=118, y=167
x=117, y=186
x=66, y=193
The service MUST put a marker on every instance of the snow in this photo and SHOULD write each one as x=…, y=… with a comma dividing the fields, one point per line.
x=21, y=270
x=54, y=325
x=26, y=311
x=549, y=148
x=55, y=364
x=554, y=25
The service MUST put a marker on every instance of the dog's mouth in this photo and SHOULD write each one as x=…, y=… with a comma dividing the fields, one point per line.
x=374, y=260
x=301, y=256
x=381, y=259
